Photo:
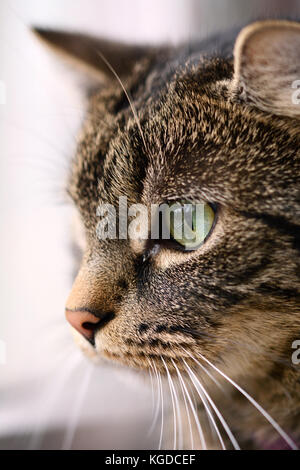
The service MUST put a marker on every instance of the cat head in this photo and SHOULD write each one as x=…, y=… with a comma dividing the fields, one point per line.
x=170, y=125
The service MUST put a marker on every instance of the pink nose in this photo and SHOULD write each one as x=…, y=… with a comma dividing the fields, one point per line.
x=84, y=322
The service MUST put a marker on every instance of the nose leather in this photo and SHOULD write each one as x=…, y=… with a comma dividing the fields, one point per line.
x=84, y=322
x=89, y=306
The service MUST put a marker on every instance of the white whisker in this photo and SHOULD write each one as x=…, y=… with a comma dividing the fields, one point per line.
x=162, y=411
x=266, y=415
x=173, y=404
x=179, y=417
x=51, y=396
x=199, y=428
x=216, y=410
x=152, y=384
x=187, y=413
x=205, y=404
x=72, y=424
x=158, y=402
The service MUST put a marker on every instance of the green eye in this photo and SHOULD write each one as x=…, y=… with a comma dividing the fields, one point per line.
x=190, y=223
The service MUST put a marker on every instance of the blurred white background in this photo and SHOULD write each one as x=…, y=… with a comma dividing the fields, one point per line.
x=49, y=395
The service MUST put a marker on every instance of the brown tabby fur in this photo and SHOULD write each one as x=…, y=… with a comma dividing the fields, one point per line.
x=235, y=300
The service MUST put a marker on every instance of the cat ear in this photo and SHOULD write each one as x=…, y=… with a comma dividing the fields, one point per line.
x=267, y=67
x=92, y=58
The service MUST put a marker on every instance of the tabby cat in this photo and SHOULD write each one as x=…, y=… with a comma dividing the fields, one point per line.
x=215, y=121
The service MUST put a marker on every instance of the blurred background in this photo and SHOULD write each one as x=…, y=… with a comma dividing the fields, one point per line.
x=50, y=396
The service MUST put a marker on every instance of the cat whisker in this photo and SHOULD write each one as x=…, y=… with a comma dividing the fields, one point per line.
x=72, y=424
x=179, y=417
x=199, y=427
x=162, y=411
x=219, y=415
x=251, y=348
x=205, y=403
x=173, y=404
x=156, y=413
x=133, y=109
x=152, y=384
x=216, y=410
x=63, y=376
x=266, y=415
x=216, y=382
x=254, y=349
x=187, y=412
x=195, y=381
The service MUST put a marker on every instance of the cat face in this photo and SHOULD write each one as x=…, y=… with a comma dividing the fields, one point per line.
x=193, y=129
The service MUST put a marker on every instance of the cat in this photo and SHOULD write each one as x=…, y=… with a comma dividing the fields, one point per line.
x=215, y=121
